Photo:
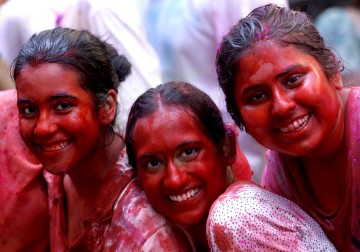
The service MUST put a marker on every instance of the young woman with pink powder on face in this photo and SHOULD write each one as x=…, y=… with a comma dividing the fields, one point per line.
x=283, y=86
x=185, y=157
x=67, y=100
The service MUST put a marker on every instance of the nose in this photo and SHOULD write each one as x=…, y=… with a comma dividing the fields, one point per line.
x=175, y=176
x=45, y=124
x=282, y=103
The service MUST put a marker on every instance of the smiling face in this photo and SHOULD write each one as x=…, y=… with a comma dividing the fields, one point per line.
x=57, y=117
x=181, y=169
x=286, y=101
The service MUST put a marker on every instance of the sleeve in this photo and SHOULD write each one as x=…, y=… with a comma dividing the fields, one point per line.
x=167, y=239
x=248, y=218
x=23, y=200
x=138, y=227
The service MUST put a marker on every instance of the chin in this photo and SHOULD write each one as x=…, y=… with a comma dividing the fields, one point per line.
x=55, y=169
x=188, y=221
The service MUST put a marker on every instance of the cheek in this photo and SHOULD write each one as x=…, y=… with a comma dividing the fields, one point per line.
x=215, y=172
x=151, y=184
x=324, y=102
x=81, y=123
x=82, y=117
x=330, y=114
x=331, y=101
x=254, y=117
x=25, y=129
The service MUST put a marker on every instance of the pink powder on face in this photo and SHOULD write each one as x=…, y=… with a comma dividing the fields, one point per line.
x=263, y=34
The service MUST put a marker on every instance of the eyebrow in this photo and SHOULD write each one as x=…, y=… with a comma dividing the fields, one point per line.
x=182, y=145
x=62, y=95
x=188, y=142
x=54, y=97
x=287, y=70
x=249, y=89
x=146, y=156
x=23, y=100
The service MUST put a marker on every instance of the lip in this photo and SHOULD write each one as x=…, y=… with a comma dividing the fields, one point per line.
x=54, y=146
x=295, y=125
x=189, y=194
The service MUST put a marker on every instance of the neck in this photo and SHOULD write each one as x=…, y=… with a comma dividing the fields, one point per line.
x=88, y=177
x=330, y=165
x=93, y=170
x=198, y=232
x=328, y=192
x=91, y=189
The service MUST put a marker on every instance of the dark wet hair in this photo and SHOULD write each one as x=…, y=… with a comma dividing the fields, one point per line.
x=269, y=22
x=121, y=65
x=79, y=51
x=181, y=95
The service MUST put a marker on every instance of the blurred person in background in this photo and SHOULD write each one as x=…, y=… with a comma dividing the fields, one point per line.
x=117, y=22
x=313, y=7
x=19, y=20
x=340, y=27
x=120, y=24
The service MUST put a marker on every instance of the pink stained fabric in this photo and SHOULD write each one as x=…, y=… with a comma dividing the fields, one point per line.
x=342, y=228
x=128, y=223
x=249, y=218
x=24, y=221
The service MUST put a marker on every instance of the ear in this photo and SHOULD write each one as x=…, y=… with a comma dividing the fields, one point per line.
x=337, y=81
x=107, y=111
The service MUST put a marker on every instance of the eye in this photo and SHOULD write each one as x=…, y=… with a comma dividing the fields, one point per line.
x=293, y=81
x=153, y=164
x=189, y=154
x=28, y=111
x=256, y=97
x=63, y=106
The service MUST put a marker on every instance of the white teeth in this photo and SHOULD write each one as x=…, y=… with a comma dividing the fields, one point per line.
x=55, y=147
x=295, y=125
x=189, y=194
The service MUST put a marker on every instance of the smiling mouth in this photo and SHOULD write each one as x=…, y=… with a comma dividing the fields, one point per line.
x=188, y=195
x=55, y=147
x=295, y=125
